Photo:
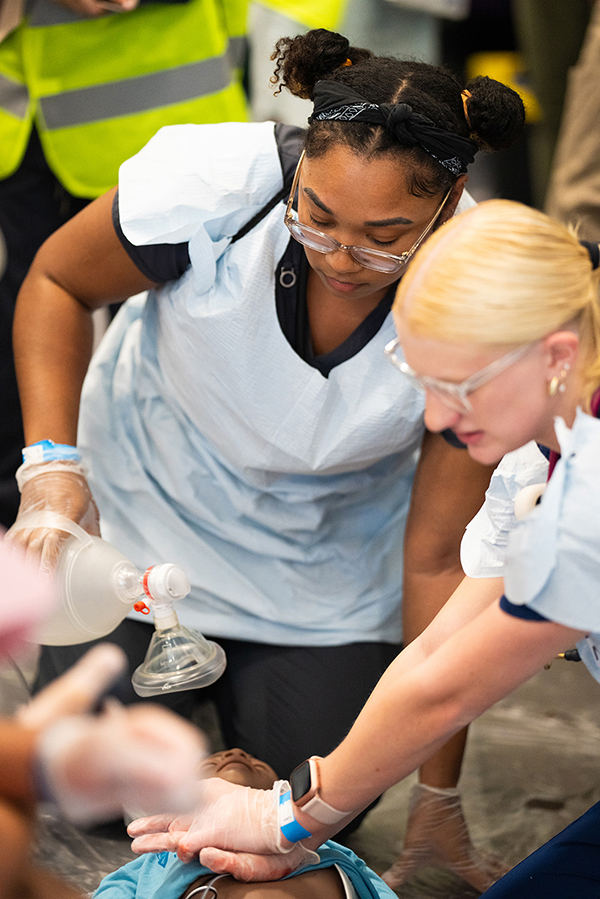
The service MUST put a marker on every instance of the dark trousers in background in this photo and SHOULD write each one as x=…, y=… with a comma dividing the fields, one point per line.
x=566, y=867
x=33, y=204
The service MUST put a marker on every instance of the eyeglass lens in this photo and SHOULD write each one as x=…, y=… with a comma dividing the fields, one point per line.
x=322, y=243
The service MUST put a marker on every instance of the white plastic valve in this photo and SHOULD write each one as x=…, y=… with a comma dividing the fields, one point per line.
x=167, y=582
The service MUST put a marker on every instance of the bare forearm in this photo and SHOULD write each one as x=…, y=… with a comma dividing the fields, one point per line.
x=428, y=592
x=53, y=335
x=449, y=489
x=411, y=713
x=81, y=267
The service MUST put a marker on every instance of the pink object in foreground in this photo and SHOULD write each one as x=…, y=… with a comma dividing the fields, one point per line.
x=26, y=597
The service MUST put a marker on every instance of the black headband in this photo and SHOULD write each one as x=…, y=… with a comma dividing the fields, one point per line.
x=339, y=103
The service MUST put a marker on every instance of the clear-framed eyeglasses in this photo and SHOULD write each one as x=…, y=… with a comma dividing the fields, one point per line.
x=376, y=260
x=454, y=396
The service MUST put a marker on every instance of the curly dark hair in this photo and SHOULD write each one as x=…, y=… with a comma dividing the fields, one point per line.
x=491, y=114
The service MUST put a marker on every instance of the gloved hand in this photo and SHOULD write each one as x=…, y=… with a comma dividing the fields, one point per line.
x=94, y=766
x=229, y=815
x=226, y=816
x=59, y=487
x=78, y=689
x=140, y=757
x=437, y=834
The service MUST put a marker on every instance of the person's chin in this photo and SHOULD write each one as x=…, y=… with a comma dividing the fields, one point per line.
x=481, y=447
x=487, y=454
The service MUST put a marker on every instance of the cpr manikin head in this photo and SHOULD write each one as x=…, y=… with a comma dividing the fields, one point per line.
x=378, y=184
x=501, y=278
x=239, y=767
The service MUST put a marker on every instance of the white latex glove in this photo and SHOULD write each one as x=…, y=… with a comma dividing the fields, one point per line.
x=78, y=689
x=58, y=487
x=140, y=757
x=437, y=835
x=226, y=816
x=94, y=766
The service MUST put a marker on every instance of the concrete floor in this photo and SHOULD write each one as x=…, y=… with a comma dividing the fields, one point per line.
x=531, y=768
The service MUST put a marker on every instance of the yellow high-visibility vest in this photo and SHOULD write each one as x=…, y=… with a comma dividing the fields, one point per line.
x=312, y=13
x=98, y=89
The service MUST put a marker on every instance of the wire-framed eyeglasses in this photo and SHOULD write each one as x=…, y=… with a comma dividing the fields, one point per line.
x=454, y=396
x=376, y=260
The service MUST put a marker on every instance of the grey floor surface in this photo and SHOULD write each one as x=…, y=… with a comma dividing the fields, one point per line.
x=531, y=768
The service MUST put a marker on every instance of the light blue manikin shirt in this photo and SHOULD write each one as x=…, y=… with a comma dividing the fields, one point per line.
x=552, y=561
x=283, y=494
x=163, y=876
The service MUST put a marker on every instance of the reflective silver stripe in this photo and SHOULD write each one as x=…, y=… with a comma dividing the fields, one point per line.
x=131, y=95
x=14, y=97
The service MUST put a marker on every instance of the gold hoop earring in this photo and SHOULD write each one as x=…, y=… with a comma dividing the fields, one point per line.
x=557, y=383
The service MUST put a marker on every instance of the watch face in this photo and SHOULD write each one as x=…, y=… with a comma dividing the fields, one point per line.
x=300, y=781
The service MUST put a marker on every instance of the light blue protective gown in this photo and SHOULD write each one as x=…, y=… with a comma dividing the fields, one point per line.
x=211, y=443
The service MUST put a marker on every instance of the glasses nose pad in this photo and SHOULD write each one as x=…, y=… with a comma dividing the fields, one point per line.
x=343, y=259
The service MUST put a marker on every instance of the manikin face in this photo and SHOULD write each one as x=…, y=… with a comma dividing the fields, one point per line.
x=363, y=203
x=507, y=412
x=238, y=767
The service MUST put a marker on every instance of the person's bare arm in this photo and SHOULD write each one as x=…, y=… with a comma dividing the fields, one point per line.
x=448, y=491
x=415, y=708
x=81, y=267
x=471, y=656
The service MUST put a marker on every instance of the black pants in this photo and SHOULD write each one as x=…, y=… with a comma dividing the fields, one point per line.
x=33, y=204
x=280, y=703
x=566, y=867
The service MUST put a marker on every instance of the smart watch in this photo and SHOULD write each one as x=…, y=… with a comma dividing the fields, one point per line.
x=305, y=784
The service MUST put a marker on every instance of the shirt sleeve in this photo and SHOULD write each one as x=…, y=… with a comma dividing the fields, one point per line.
x=520, y=611
x=198, y=180
x=159, y=262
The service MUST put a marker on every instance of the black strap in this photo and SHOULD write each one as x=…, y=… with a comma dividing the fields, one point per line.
x=593, y=250
x=270, y=204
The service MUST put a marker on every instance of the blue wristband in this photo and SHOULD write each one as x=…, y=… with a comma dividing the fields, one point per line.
x=289, y=827
x=49, y=451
